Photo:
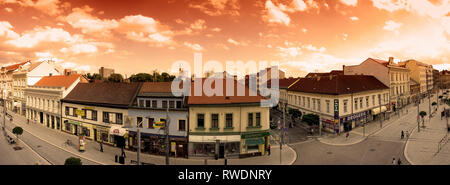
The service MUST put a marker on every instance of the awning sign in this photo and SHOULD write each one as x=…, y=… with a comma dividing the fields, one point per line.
x=117, y=130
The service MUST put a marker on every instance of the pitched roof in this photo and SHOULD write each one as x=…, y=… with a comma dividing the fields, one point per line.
x=222, y=99
x=336, y=85
x=58, y=81
x=157, y=89
x=284, y=82
x=333, y=72
x=34, y=65
x=15, y=66
x=104, y=94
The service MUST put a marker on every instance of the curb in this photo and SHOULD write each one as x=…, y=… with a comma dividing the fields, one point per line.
x=346, y=144
x=295, y=156
x=60, y=147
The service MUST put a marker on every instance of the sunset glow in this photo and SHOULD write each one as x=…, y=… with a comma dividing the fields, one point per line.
x=302, y=35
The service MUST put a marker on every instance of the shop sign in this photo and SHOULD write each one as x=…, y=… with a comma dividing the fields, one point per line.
x=172, y=146
x=158, y=124
x=255, y=135
x=336, y=108
x=80, y=112
x=89, y=108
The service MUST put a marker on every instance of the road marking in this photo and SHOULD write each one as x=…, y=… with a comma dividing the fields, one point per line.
x=32, y=150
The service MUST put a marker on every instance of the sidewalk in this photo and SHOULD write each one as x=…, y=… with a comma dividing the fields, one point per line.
x=422, y=147
x=92, y=153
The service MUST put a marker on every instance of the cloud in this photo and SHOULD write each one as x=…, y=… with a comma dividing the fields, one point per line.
x=354, y=18
x=320, y=62
x=9, y=9
x=39, y=35
x=6, y=31
x=145, y=29
x=392, y=26
x=275, y=15
x=218, y=7
x=199, y=24
x=50, y=7
x=291, y=51
x=81, y=18
x=435, y=10
x=232, y=41
x=299, y=5
x=349, y=2
x=195, y=47
x=216, y=29
x=304, y=30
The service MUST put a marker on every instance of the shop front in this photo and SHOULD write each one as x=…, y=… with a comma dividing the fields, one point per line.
x=118, y=136
x=355, y=120
x=254, y=144
x=377, y=111
x=72, y=127
x=155, y=144
x=223, y=146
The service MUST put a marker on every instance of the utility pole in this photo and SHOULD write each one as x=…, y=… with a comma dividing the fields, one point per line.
x=139, y=142
x=429, y=101
x=379, y=102
x=282, y=132
x=166, y=128
x=418, y=110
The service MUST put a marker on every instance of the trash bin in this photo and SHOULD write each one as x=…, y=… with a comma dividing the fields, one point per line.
x=116, y=158
x=122, y=160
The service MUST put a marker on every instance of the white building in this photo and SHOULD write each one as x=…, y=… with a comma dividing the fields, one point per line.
x=341, y=101
x=43, y=98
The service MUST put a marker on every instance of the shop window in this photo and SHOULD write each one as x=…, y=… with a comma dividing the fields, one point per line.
x=200, y=121
x=214, y=120
x=182, y=125
x=68, y=127
x=86, y=131
x=104, y=137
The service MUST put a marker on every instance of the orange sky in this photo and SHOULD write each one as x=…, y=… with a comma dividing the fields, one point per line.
x=303, y=35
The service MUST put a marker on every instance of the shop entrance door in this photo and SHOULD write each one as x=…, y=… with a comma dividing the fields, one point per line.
x=95, y=134
x=76, y=129
x=222, y=151
x=41, y=117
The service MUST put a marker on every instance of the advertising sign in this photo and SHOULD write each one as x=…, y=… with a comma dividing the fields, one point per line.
x=336, y=108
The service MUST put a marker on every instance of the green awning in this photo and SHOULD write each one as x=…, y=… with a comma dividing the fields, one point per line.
x=74, y=122
x=254, y=141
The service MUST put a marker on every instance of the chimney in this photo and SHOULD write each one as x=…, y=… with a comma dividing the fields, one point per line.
x=235, y=77
x=50, y=74
x=391, y=60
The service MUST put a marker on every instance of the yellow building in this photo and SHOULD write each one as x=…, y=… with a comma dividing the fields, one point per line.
x=227, y=125
x=421, y=73
x=99, y=111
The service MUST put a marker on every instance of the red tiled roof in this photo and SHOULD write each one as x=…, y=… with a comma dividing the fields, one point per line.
x=156, y=87
x=336, y=85
x=14, y=66
x=283, y=83
x=58, y=81
x=382, y=62
x=235, y=99
x=333, y=72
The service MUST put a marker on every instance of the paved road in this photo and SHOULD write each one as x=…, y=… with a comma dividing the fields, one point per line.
x=24, y=156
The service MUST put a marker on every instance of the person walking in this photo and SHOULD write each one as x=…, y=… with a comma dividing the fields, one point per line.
x=407, y=134
x=403, y=135
x=393, y=161
x=347, y=135
x=101, y=146
x=268, y=149
x=399, y=162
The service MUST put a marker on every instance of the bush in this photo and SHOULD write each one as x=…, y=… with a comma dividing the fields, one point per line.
x=295, y=113
x=17, y=131
x=434, y=103
x=73, y=161
x=311, y=119
x=423, y=113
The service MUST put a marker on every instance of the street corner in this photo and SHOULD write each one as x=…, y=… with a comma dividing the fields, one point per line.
x=342, y=140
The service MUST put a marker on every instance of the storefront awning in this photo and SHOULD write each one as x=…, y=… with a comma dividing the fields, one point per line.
x=117, y=130
x=254, y=141
x=376, y=111
x=209, y=139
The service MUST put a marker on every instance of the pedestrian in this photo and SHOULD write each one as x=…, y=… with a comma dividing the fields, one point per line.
x=101, y=146
x=347, y=135
x=268, y=149
x=403, y=135
x=399, y=162
x=123, y=152
x=407, y=134
x=393, y=161
x=28, y=121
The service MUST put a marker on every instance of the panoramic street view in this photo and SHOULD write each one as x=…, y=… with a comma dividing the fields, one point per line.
x=224, y=82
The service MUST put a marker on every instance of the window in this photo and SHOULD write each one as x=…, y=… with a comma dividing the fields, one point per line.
x=250, y=119
x=141, y=103
x=74, y=113
x=154, y=104
x=85, y=113
x=200, y=121
x=303, y=101
x=328, y=106
x=345, y=105
x=379, y=98
x=214, y=120
x=147, y=103
x=119, y=118
x=229, y=121
x=182, y=125
x=67, y=111
x=94, y=115
x=150, y=122
x=258, y=119
x=179, y=104
x=373, y=100
x=164, y=104
x=314, y=104
x=139, y=122
x=356, y=104
x=171, y=104
x=367, y=101
x=361, y=103
x=318, y=105
x=164, y=121
x=309, y=102
x=105, y=117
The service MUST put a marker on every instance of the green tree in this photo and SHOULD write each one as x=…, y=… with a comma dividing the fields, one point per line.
x=115, y=77
x=141, y=77
x=92, y=77
x=434, y=103
x=17, y=131
x=311, y=119
x=422, y=113
x=73, y=161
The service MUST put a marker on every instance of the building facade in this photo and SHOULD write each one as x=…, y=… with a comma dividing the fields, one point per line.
x=444, y=79
x=342, y=102
x=395, y=76
x=105, y=72
x=6, y=80
x=99, y=111
x=156, y=103
x=28, y=75
x=421, y=73
x=227, y=126
x=43, y=99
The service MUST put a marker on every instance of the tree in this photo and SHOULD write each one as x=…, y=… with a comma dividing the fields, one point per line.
x=115, y=78
x=141, y=77
x=434, y=103
x=17, y=131
x=73, y=161
x=93, y=77
x=311, y=119
x=422, y=113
